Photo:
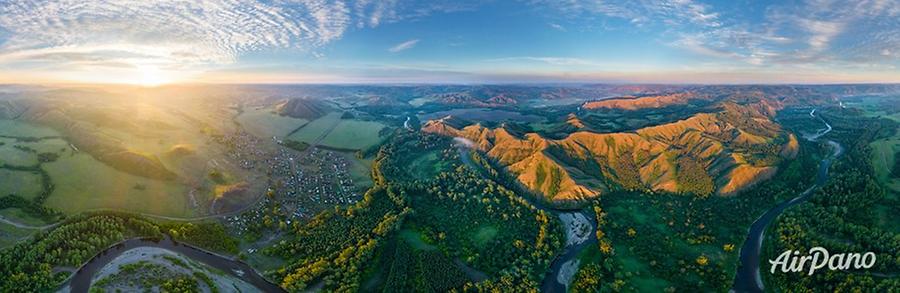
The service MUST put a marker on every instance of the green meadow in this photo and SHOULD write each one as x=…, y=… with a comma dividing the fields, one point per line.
x=26, y=184
x=83, y=183
x=263, y=123
x=354, y=134
x=316, y=129
x=332, y=131
x=10, y=235
x=22, y=129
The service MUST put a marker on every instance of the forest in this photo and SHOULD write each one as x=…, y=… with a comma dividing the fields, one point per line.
x=442, y=232
x=843, y=215
x=34, y=265
x=680, y=241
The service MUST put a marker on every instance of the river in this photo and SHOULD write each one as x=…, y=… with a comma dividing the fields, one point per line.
x=81, y=281
x=563, y=265
x=748, y=278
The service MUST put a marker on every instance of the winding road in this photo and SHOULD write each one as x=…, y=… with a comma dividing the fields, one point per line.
x=748, y=278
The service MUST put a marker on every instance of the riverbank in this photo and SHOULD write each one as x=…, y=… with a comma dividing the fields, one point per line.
x=748, y=278
x=83, y=277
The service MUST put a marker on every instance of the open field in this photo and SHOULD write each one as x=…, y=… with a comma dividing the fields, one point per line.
x=415, y=239
x=360, y=171
x=11, y=155
x=883, y=150
x=19, y=216
x=264, y=123
x=484, y=234
x=83, y=183
x=317, y=128
x=427, y=165
x=10, y=235
x=354, y=134
x=21, y=129
x=26, y=184
x=332, y=131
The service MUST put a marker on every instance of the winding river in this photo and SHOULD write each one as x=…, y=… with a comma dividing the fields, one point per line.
x=81, y=280
x=748, y=278
x=558, y=277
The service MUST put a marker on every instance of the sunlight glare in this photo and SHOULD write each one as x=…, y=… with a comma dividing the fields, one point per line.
x=152, y=76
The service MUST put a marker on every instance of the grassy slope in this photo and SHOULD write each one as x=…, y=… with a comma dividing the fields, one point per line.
x=83, y=183
x=23, y=183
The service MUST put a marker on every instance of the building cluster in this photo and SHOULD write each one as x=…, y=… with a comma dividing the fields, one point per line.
x=300, y=183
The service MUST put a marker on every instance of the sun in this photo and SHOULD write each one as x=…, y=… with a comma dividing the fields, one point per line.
x=152, y=76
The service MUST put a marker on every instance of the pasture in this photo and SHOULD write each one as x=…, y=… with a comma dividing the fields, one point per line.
x=19, y=216
x=333, y=132
x=316, y=129
x=263, y=123
x=22, y=129
x=10, y=154
x=26, y=184
x=354, y=134
x=83, y=183
x=883, y=150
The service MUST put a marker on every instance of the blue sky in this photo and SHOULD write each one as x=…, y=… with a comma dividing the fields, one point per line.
x=393, y=41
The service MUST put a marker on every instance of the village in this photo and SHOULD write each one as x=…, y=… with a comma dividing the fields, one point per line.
x=300, y=183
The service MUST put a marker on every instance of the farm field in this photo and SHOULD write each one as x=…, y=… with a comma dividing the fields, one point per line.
x=317, y=128
x=263, y=123
x=354, y=134
x=332, y=131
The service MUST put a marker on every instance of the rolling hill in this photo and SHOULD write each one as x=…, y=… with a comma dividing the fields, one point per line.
x=709, y=153
x=301, y=108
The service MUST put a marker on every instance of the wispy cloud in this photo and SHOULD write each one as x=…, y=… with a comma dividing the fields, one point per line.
x=403, y=46
x=640, y=12
x=557, y=26
x=169, y=33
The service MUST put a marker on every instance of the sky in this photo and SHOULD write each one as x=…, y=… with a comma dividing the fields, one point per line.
x=437, y=41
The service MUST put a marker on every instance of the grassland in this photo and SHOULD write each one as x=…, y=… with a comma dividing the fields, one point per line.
x=10, y=235
x=484, y=234
x=22, y=183
x=354, y=134
x=21, y=129
x=263, y=122
x=17, y=157
x=427, y=165
x=316, y=129
x=883, y=150
x=21, y=217
x=415, y=239
x=332, y=131
x=360, y=171
x=83, y=183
